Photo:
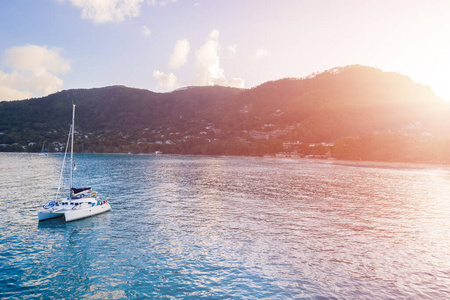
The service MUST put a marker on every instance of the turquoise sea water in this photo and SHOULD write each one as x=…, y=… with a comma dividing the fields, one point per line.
x=217, y=228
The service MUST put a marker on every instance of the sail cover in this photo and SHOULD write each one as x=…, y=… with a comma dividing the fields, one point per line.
x=77, y=191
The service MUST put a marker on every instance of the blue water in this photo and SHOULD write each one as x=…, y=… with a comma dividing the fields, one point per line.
x=212, y=227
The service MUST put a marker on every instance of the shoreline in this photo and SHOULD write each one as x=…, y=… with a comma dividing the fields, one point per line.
x=361, y=163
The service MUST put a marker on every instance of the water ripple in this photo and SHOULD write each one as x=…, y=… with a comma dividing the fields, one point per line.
x=242, y=228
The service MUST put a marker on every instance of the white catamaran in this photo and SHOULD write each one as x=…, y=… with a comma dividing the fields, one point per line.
x=81, y=202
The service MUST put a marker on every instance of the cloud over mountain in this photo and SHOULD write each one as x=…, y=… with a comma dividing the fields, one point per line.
x=180, y=54
x=209, y=71
x=33, y=70
x=166, y=81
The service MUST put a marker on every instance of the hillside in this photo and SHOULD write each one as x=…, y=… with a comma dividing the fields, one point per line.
x=110, y=108
x=353, y=101
x=348, y=101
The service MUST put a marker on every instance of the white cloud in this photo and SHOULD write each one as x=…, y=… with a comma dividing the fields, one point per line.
x=34, y=71
x=208, y=63
x=209, y=71
x=232, y=49
x=8, y=90
x=180, y=54
x=36, y=59
x=146, y=31
x=103, y=11
x=160, y=2
x=261, y=53
x=167, y=81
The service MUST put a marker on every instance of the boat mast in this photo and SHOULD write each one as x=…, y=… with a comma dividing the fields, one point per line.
x=71, y=150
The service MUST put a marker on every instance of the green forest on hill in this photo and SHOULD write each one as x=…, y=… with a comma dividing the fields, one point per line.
x=353, y=112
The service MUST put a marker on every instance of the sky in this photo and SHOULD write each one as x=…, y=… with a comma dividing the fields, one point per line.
x=161, y=45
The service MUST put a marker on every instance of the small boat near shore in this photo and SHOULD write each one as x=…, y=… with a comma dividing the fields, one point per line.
x=43, y=152
x=81, y=202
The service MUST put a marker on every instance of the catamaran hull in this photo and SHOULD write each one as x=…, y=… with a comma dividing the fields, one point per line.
x=74, y=214
x=45, y=215
x=77, y=214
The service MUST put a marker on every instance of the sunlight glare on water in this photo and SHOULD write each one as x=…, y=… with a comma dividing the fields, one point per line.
x=216, y=227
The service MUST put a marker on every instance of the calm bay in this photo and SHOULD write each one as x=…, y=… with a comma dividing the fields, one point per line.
x=227, y=227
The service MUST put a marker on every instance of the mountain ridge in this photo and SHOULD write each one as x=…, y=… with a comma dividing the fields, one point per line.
x=321, y=108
